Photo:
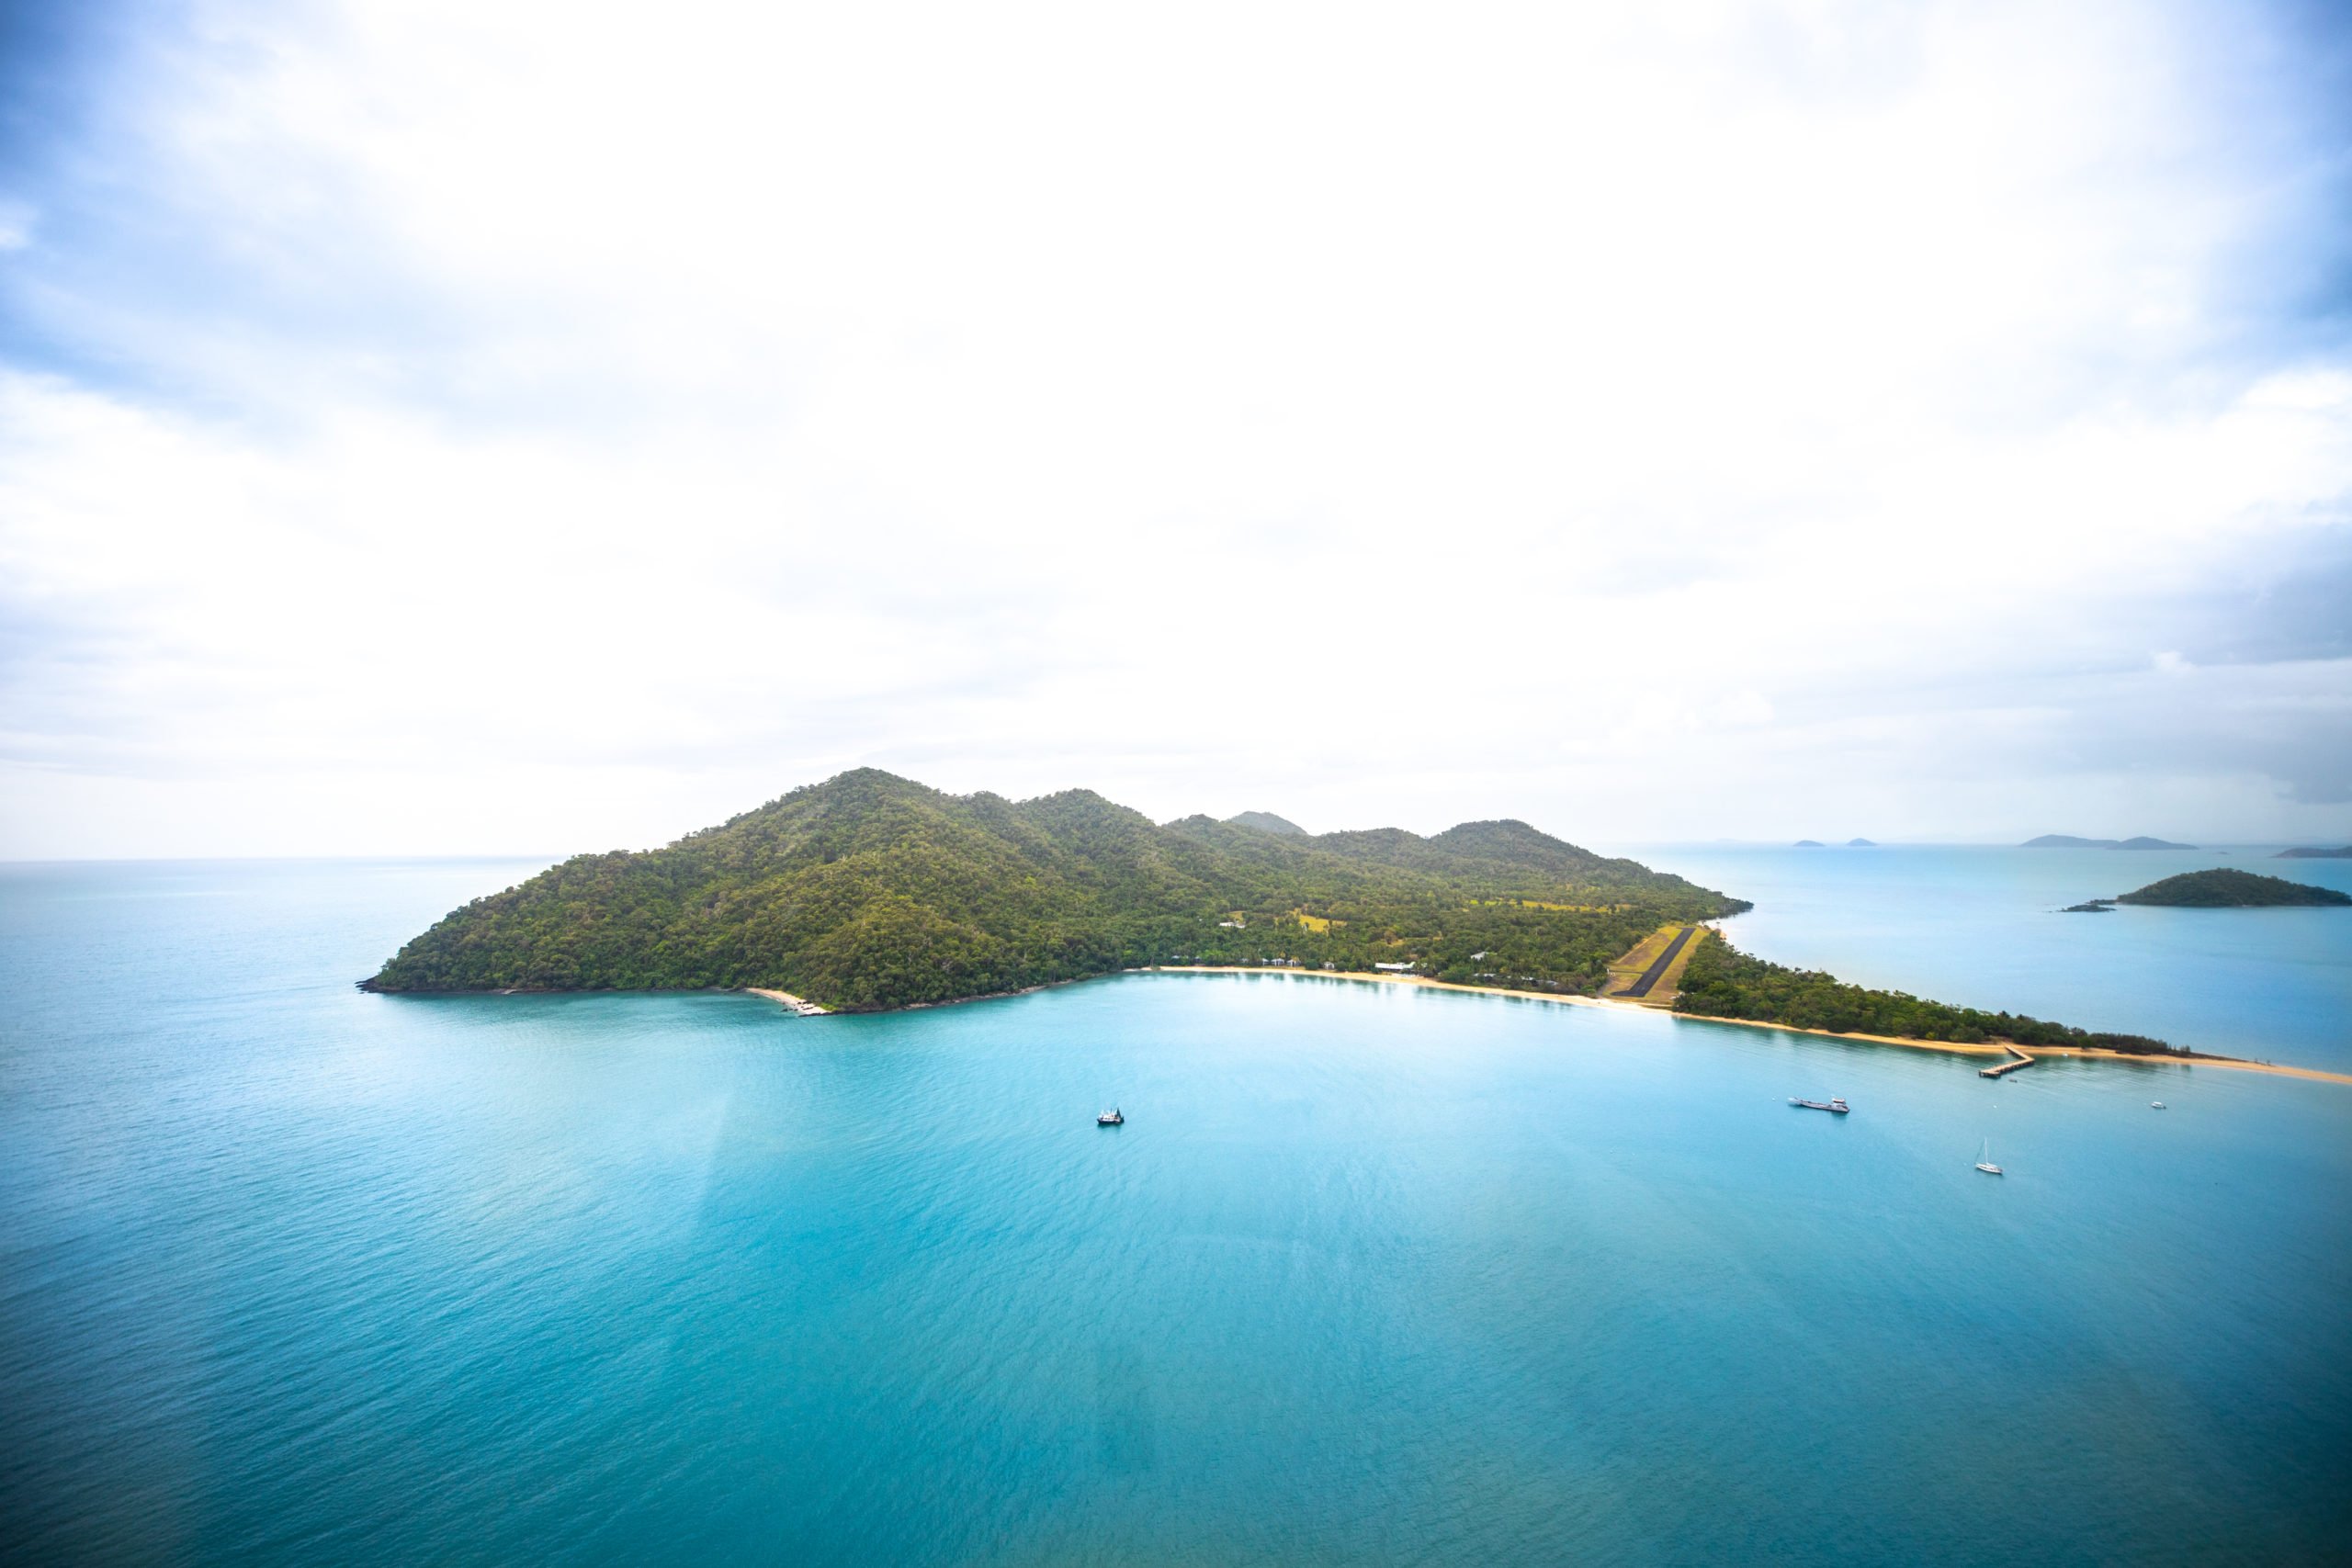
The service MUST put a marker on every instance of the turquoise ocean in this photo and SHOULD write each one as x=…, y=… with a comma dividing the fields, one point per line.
x=298, y=1275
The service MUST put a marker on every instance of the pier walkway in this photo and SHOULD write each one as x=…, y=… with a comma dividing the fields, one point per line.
x=2016, y=1059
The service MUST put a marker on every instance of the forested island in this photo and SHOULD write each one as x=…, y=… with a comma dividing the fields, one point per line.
x=2315, y=852
x=2223, y=888
x=870, y=891
x=2068, y=842
x=1722, y=982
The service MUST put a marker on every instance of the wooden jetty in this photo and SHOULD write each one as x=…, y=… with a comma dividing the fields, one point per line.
x=2016, y=1059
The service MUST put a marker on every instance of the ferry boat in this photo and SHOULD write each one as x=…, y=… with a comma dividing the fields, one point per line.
x=1111, y=1118
x=1835, y=1103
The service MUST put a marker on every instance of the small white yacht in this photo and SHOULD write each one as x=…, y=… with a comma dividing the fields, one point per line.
x=1985, y=1164
x=2156, y=1105
x=1111, y=1118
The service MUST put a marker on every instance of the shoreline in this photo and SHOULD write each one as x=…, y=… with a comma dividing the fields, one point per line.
x=801, y=1005
x=1951, y=1047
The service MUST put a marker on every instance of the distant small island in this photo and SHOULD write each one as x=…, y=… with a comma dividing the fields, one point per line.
x=1860, y=844
x=2342, y=852
x=1808, y=844
x=2222, y=888
x=2068, y=842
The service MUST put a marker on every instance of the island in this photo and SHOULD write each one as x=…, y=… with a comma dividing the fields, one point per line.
x=871, y=892
x=1861, y=844
x=2068, y=842
x=1808, y=844
x=2222, y=888
x=2343, y=852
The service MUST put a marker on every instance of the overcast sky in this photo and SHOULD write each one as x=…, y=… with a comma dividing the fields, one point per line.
x=464, y=427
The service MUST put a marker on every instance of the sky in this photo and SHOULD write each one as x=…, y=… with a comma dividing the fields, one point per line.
x=445, y=428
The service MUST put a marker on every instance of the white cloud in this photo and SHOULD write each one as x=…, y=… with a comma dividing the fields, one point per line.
x=541, y=431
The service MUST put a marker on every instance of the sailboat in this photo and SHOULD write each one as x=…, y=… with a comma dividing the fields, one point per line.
x=1985, y=1164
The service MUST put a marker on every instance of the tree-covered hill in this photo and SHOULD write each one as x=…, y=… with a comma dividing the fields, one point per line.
x=870, y=891
x=2225, y=889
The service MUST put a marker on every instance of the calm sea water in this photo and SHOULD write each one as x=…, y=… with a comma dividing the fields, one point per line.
x=295, y=1275
x=1978, y=926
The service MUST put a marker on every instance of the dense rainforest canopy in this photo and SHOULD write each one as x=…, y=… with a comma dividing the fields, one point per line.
x=870, y=891
x=1722, y=982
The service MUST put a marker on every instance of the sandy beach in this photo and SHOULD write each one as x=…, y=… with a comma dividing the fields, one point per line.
x=798, y=1004
x=1952, y=1047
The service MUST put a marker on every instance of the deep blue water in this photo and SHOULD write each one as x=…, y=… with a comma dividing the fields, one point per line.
x=295, y=1275
x=1979, y=926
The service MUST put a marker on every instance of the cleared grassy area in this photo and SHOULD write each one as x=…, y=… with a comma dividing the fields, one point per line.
x=1635, y=961
x=1669, y=985
x=1625, y=974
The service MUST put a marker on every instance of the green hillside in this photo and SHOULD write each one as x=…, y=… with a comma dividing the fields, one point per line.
x=869, y=891
x=2222, y=888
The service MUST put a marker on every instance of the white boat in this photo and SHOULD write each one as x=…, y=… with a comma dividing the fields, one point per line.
x=2156, y=1105
x=1111, y=1118
x=1986, y=1164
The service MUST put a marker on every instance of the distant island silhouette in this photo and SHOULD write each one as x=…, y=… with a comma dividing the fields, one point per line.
x=2068, y=842
x=2341, y=853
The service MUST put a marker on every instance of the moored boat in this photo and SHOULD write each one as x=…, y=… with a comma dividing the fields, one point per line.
x=1111, y=1118
x=1985, y=1164
x=1835, y=1104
